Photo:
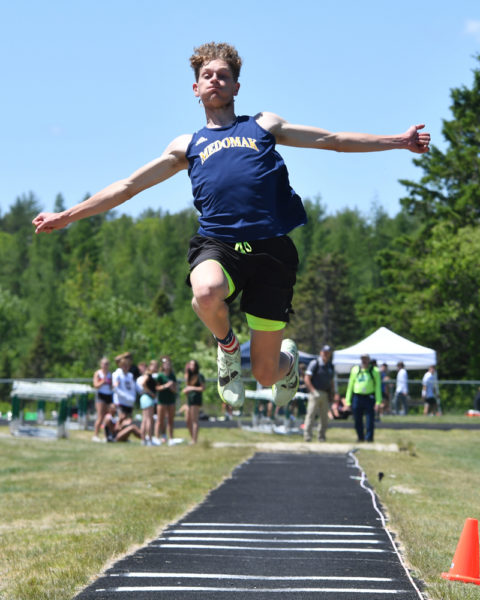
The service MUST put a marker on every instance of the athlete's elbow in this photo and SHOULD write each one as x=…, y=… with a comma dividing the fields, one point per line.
x=127, y=189
x=331, y=142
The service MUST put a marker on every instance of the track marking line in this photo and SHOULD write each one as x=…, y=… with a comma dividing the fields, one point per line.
x=181, y=538
x=266, y=549
x=384, y=524
x=249, y=577
x=271, y=532
x=279, y=525
x=255, y=590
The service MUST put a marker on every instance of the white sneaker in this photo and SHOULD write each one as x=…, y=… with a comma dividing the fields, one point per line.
x=95, y=438
x=284, y=390
x=156, y=441
x=230, y=384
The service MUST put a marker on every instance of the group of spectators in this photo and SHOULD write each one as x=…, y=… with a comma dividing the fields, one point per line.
x=367, y=395
x=155, y=387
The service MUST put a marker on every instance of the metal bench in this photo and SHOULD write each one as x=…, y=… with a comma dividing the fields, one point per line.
x=48, y=391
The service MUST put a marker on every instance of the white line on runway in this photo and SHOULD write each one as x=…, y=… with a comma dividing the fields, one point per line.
x=247, y=577
x=181, y=538
x=307, y=590
x=290, y=526
x=218, y=547
x=270, y=532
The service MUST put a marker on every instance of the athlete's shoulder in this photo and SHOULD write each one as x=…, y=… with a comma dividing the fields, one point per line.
x=269, y=121
x=180, y=143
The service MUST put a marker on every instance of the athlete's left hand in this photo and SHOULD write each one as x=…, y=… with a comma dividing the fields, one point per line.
x=417, y=142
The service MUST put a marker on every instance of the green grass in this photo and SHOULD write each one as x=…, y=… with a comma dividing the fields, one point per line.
x=428, y=490
x=71, y=507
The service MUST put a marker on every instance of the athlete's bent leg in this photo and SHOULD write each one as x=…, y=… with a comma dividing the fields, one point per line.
x=211, y=286
x=268, y=363
x=275, y=362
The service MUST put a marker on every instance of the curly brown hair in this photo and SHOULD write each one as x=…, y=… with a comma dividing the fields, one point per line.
x=207, y=52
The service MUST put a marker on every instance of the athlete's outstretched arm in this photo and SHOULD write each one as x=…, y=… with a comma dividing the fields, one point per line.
x=170, y=162
x=303, y=136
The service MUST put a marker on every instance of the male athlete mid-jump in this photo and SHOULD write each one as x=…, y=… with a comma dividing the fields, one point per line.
x=247, y=207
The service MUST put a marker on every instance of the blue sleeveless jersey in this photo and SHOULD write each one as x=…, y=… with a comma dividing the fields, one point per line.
x=240, y=184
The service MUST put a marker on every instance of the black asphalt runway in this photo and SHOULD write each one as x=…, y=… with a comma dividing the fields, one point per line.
x=284, y=526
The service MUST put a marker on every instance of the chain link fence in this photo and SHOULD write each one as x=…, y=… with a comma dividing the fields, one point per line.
x=456, y=397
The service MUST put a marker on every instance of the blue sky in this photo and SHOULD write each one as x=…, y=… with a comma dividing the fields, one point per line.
x=93, y=89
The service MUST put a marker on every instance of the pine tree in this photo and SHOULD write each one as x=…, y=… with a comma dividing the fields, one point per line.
x=450, y=187
x=324, y=309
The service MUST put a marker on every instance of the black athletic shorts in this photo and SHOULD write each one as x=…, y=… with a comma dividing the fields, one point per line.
x=107, y=398
x=264, y=271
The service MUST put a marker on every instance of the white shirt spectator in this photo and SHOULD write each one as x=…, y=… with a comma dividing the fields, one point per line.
x=124, y=388
x=402, y=382
x=429, y=382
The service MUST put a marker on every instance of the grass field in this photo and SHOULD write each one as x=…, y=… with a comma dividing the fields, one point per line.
x=71, y=507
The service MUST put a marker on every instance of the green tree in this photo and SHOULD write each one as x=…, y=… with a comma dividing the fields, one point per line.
x=38, y=359
x=20, y=215
x=450, y=187
x=308, y=239
x=324, y=308
x=18, y=222
x=426, y=288
x=13, y=314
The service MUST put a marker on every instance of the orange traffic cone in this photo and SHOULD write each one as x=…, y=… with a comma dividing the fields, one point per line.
x=466, y=561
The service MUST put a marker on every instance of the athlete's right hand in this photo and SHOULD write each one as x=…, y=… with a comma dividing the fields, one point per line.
x=47, y=222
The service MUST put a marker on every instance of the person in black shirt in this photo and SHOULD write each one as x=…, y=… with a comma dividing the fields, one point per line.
x=319, y=381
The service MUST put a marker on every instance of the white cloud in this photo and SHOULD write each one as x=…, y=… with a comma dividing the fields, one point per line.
x=472, y=27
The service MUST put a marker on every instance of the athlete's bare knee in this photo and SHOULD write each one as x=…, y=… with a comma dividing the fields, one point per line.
x=265, y=374
x=207, y=298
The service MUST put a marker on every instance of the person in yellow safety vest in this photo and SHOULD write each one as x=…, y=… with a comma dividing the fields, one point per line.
x=363, y=392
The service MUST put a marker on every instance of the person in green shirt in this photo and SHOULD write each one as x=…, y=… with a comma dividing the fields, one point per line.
x=363, y=392
x=167, y=397
x=193, y=390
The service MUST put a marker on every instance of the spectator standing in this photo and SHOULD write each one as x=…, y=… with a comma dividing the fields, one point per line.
x=378, y=407
x=401, y=390
x=154, y=368
x=298, y=406
x=124, y=388
x=363, y=392
x=136, y=370
x=320, y=385
x=102, y=382
x=476, y=401
x=430, y=391
x=167, y=397
x=147, y=389
x=265, y=408
x=385, y=406
x=194, y=387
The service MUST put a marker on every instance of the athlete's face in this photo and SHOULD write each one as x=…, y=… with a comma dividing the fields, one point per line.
x=216, y=86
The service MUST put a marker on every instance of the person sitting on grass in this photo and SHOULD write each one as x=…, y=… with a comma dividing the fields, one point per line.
x=119, y=428
x=338, y=408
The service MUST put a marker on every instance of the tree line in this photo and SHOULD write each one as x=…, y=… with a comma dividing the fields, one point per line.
x=111, y=282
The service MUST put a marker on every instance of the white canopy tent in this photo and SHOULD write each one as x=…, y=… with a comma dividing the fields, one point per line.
x=386, y=347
